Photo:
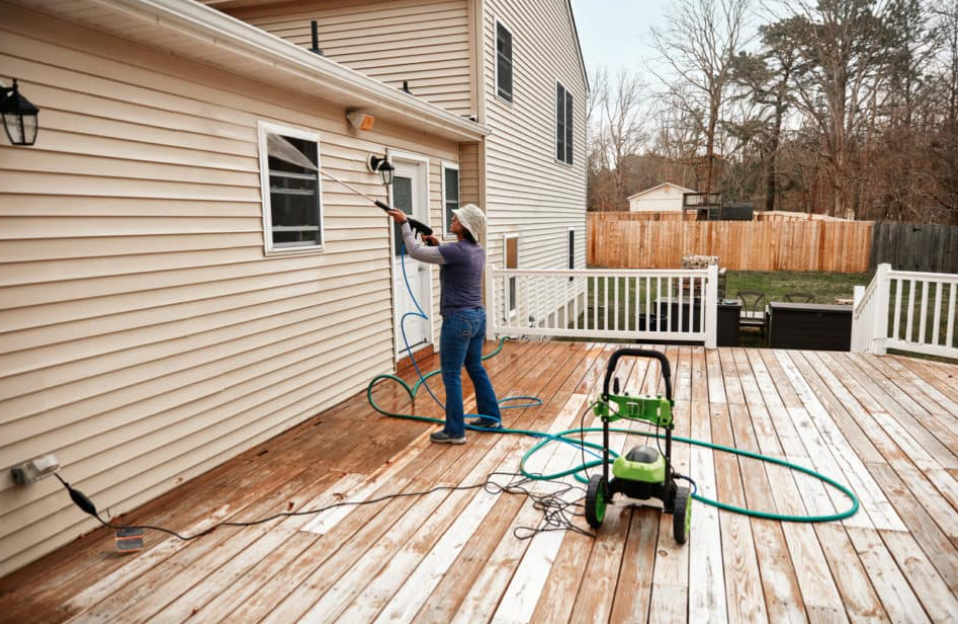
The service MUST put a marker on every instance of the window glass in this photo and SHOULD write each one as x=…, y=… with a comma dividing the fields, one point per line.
x=563, y=124
x=402, y=199
x=503, y=62
x=560, y=122
x=294, y=197
x=451, y=199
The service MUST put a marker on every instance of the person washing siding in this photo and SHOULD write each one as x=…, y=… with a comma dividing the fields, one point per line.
x=463, y=318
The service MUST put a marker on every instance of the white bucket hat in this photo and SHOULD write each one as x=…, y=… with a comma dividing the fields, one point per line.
x=472, y=218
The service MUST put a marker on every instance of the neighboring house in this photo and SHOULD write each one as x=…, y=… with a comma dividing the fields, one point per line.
x=665, y=197
x=179, y=284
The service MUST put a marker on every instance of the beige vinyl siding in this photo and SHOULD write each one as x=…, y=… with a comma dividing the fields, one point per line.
x=526, y=189
x=144, y=335
x=425, y=42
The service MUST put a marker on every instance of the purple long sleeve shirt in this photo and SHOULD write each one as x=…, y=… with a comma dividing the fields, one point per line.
x=460, y=271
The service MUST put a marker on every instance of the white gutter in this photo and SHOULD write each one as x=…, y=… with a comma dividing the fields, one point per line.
x=226, y=32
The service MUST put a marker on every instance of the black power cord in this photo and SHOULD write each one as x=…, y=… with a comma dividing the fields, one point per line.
x=558, y=512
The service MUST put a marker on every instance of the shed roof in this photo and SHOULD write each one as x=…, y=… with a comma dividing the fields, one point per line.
x=658, y=186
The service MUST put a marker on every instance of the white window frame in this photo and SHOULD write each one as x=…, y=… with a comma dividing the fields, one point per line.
x=495, y=60
x=264, y=127
x=511, y=304
x=566, y=122
x=446, y=233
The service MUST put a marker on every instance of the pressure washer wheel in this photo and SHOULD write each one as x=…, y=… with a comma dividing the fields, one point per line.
x=595, y=502
x=682, y=515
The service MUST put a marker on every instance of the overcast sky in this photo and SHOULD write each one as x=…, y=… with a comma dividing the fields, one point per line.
x=615, y=33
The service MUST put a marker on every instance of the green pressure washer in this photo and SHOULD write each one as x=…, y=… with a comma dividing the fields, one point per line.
x=644, y=472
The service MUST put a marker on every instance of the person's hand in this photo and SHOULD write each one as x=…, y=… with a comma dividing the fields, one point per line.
x=430, y=240
x=397, y=215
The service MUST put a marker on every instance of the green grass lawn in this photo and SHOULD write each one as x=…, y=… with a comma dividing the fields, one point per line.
x=826, y=287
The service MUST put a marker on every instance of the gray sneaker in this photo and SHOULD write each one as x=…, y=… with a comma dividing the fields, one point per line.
x=485, y=423
x=441, y=437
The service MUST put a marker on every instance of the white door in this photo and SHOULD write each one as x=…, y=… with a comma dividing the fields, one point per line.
x=410, y=194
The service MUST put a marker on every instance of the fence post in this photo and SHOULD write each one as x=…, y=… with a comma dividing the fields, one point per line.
x=711, y=307
x=880, y=320
x=858, y=324
x=490, y=303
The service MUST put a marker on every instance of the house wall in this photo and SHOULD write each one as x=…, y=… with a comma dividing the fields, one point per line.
x=528, y=191
x=144, y=335
x=660, y=200
x=426, y=42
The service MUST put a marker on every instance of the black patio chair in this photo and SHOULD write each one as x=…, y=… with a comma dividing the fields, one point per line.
x=799, y=297
x=753, y=309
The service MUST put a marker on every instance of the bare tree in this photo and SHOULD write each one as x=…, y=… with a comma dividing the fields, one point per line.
x=697, y=49
x=597, y=142
x=942, y=182
x=624, y=114
x=845, y=44
x=617, y=124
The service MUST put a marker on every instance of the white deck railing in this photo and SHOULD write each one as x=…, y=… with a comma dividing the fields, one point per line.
x=894, y=313
x=652, y=305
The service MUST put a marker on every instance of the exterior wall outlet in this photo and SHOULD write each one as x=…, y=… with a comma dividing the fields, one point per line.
x=35, y=469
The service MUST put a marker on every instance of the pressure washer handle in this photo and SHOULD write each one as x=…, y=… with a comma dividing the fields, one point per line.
x=614, y=360
x=417, y=226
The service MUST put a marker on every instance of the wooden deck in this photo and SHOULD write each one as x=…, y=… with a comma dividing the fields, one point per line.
x=886, y=426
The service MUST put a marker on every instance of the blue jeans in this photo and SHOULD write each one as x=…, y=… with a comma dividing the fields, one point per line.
x=461, y=344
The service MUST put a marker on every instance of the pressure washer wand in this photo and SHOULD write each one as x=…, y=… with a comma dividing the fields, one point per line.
x=417, y=226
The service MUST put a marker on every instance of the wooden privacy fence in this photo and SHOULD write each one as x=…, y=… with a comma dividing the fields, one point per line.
x=617, y=241
x=692, y=215
x=915, y=247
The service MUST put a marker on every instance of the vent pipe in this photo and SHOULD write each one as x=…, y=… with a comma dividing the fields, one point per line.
x=315, y=31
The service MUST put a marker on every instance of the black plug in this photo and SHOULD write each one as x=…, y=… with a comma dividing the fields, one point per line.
x=82, y=501
x=79, y=498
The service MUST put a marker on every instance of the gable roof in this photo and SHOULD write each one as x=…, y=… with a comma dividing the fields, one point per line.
x=658, y=186
x=202, y=34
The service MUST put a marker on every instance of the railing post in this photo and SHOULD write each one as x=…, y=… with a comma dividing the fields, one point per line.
x=710, y=307
x=490, y=303
x=879, y=334
x=858, y=324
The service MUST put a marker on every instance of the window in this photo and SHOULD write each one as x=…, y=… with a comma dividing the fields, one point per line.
x=503, y=62
x=512, y=262
x=292, y=204
x=563, y=124
x=450, y=194
x=571, y=251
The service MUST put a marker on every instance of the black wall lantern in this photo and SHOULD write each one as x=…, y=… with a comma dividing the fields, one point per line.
x=383, y=167
x=19, y=116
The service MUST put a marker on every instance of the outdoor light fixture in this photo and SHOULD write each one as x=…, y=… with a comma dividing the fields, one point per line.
x=383, y=167
x=360, y=120
x=19, y=116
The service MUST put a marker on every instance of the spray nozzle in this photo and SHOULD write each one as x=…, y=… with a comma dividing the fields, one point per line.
x=417, y=226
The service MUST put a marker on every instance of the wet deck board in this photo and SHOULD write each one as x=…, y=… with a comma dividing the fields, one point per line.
x=886, y=426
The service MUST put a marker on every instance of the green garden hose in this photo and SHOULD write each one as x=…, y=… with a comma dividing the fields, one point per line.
x=575, y=471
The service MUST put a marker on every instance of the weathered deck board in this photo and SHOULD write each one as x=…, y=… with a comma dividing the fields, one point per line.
x=886, y=426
